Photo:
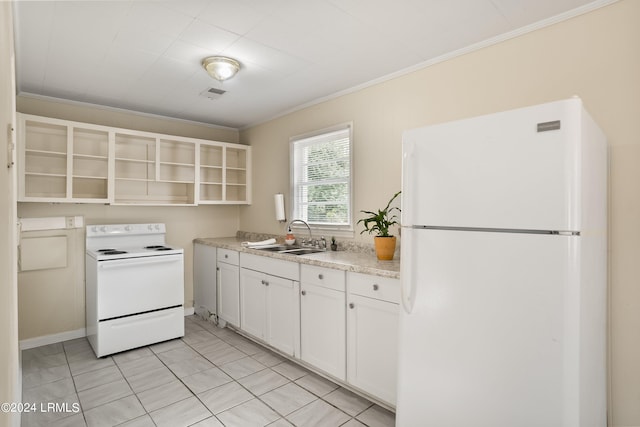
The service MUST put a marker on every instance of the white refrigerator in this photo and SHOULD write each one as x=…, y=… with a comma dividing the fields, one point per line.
x=504, y=271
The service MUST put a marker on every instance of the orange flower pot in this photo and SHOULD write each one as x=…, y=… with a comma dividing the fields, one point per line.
x=385, y=247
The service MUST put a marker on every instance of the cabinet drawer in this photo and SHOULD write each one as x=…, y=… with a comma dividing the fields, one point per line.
x=274, y=267
x=228, y=256
x=382, y=288
x=322, y=276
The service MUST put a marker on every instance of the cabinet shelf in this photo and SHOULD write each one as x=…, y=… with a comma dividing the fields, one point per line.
x=178, y=164
x=130, y=160
x=89, y=177
x=168, y=181
x=90, y=157
x=134, y=179
x=45, y=153
x=58, y=175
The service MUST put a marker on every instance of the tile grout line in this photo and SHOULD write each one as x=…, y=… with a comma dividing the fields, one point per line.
x=290, y=381
x=233, y=379
x=66, y=358
x=230, y=338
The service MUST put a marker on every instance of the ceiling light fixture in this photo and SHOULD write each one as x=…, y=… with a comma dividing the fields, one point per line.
x=220, y=67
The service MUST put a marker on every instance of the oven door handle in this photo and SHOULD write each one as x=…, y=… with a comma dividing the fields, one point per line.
x=164, y=259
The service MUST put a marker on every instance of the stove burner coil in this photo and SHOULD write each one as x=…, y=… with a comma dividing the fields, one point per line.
x=113, y=252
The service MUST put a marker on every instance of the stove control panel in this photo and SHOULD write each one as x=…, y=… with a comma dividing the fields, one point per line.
x=124, y=229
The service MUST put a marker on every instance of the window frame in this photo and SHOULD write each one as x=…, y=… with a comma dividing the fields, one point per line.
x=345, y=230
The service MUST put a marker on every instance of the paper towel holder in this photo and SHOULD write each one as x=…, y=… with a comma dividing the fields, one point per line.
x=278, y=200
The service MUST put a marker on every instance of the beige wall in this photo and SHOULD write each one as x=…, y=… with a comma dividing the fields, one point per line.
x=37, y=317
x=595, y=56
x=9, y=357
x=121, y=118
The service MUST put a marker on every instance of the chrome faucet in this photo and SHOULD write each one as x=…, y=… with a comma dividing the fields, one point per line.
x=303, y=222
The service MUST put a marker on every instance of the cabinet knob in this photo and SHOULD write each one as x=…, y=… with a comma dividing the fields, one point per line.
x=375, y=286
x=217, y=268
x=320, y=276
x=226, y=256
x=303, y=292
x=351, y=305
x=266, y=283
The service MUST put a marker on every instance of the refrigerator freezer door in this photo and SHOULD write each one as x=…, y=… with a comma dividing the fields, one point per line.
x=496, y=171
x=492, y=338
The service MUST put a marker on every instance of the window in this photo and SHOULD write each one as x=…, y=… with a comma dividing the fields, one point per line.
x=321, y=178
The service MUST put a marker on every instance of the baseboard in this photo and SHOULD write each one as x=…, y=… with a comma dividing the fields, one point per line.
x=52, y=339
x=189, y=311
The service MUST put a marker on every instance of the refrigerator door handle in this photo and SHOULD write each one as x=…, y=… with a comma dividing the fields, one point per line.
x=407, y=187
x=407, y=287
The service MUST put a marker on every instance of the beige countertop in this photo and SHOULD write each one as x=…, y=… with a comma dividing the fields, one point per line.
x=342, y=260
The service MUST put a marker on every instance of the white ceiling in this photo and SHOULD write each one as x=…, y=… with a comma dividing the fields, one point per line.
x=145, y=55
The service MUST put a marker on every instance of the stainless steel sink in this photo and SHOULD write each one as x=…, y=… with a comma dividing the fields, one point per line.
x=290, y=250
x=273, y=248
x=301, y=251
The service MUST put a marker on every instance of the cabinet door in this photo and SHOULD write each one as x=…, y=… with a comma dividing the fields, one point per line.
x=204, y=280
x=253, y=291
x=323, y=329
x=229, y=293
x=283, y=311
x=372, y=346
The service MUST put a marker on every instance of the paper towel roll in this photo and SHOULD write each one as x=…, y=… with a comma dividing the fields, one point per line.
x=279, y=203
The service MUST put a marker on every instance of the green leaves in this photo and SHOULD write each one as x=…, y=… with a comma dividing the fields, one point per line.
x=380, y=221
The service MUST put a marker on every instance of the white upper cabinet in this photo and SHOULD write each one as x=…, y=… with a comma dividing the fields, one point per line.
x=64, y=161
x=224, y=172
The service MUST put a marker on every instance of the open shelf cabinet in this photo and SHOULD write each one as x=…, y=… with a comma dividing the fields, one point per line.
x=224, y=174
x=64, y=161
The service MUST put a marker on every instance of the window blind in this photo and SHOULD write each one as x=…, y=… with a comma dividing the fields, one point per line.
x=322, y=178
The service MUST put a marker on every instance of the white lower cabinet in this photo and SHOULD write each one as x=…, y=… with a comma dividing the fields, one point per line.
x=322, y=319
x=342, y=324
x=228, y=287
x=269, y=304
x=204, y=280
x=372, y=334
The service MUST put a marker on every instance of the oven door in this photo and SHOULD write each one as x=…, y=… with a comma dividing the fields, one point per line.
x=137, y=285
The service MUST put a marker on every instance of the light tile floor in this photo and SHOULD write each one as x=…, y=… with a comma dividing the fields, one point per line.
x=211, y=377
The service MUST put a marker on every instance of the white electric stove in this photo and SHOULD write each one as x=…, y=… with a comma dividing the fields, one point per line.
x=134, y=287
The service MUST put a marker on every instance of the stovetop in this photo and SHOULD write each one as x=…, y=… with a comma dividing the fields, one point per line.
x=133, y=252
x=117, y=241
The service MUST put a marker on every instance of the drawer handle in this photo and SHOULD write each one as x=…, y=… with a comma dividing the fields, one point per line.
x=351, y=305
x=303, y=293
x=320, y=276
x=375, y=287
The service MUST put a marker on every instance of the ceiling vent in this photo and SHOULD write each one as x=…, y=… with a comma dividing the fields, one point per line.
x=213, y=93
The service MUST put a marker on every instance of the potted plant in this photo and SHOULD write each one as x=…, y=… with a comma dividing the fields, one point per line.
x=379, y=223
